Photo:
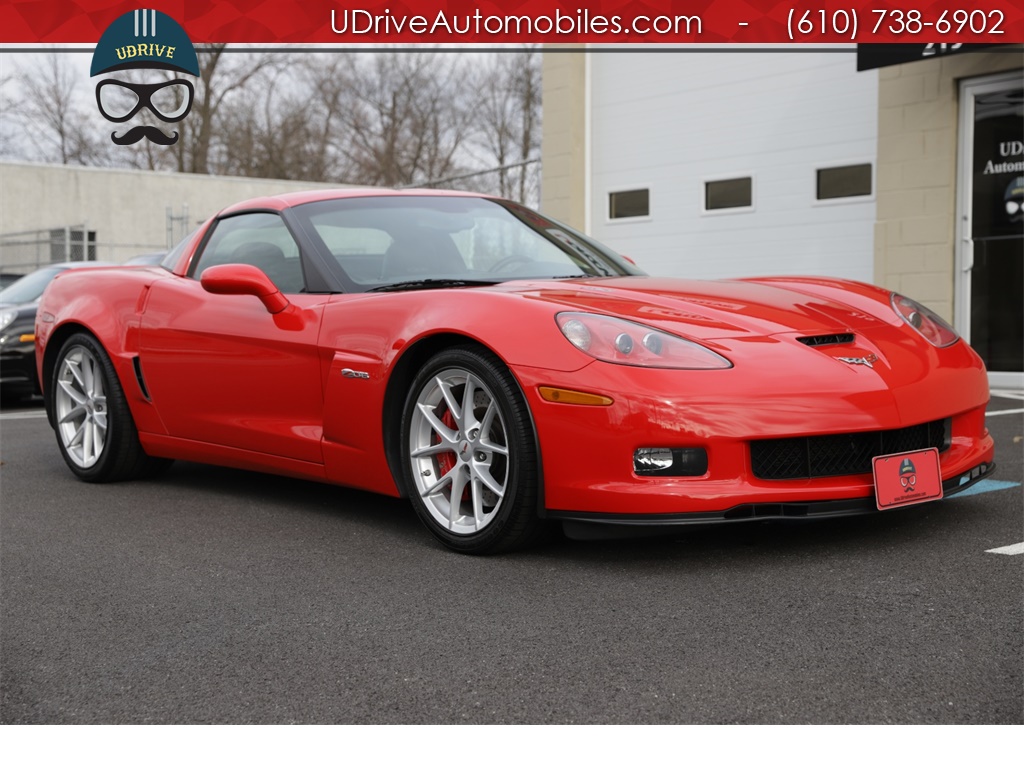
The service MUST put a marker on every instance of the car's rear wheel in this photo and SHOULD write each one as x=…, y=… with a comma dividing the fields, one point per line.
x=94, y=426
x=469, y=453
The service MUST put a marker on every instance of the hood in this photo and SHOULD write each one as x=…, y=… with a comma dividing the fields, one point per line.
x=701, y=309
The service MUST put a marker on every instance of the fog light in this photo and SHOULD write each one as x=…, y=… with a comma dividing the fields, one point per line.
x=670, y=462
x=652, y=459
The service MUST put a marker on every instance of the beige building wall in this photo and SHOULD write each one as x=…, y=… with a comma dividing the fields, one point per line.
x=126, y=208
x=563, y=147
x=918, y=116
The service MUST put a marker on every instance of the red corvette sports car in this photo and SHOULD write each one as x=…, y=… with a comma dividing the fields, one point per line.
x=502, y=370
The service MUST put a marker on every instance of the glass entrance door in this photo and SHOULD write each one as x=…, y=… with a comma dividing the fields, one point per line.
x=990, y=293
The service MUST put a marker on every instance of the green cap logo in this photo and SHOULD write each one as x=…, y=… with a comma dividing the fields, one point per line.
x=144, y=39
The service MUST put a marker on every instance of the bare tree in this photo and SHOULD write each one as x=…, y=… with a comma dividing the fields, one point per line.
x=388, y=119
x=391, y=118
x=527, y=83
x=507, y=128
x=8, y=105
x=224, y=77
x=291, y=127
x=409, y=117
x=50, y=115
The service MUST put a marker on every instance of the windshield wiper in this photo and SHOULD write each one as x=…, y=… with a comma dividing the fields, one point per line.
x=433, y=282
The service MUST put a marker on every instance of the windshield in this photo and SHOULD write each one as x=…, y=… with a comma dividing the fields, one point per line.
x=373, y=242
x=29, y=288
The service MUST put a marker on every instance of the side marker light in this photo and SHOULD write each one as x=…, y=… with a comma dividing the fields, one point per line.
x=572, y=397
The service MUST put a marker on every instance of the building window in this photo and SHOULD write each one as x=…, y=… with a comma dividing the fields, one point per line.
x=72, y=244
x=844, y=181
x=728, y=193
x=629, y=204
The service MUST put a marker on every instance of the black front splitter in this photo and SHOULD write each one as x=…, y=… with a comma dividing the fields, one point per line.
x=590, y=526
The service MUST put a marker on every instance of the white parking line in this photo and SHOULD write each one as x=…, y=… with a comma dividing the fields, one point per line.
x=1008, y=394
x=1004, y=413
x=23, y=415
x=1013, y=549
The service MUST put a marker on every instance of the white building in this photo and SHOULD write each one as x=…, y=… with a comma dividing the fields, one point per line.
x=742, y=163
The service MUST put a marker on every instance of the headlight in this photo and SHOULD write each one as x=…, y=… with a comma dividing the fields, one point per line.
x=7, y=317
x=936, y=330
x=614, y=340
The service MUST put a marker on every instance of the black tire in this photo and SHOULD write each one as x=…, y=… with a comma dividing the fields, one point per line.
x=94, y=427
x=491, y=461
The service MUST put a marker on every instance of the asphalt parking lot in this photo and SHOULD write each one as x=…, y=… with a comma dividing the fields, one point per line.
x=220, y=596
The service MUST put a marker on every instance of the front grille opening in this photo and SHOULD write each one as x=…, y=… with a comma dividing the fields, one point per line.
x=796, y=458
x=826, y=339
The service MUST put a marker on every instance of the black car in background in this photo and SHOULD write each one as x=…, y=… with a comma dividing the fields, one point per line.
x=18, y=304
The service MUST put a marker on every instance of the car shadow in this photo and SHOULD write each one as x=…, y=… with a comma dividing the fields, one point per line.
x=696, y=546
x=391, y=516
x=780, y=541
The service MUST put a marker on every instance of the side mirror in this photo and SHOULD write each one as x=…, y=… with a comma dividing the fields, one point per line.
x=244, y=280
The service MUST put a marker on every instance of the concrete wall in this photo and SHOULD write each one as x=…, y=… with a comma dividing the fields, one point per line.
x=563, y=146
x=126, y=208
x=918, y=116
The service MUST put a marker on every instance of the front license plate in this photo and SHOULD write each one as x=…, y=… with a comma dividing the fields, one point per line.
x=907, y=478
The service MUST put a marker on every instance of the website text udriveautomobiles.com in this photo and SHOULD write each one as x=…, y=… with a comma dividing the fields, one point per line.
x=477, y=24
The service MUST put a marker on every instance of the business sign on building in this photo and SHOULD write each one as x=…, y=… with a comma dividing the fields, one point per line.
x=876, y=55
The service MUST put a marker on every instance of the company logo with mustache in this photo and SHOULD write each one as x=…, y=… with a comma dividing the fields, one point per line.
x=145, y=40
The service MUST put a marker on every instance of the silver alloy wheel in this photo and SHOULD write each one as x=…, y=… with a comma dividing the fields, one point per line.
x=458, y=448
x=81, y=407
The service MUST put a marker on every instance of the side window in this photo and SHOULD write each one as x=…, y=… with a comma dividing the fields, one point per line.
x=358, y=250
x=259, y=239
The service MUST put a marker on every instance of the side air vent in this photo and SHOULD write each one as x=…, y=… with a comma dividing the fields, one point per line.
x=139, y=377
x=825, y=340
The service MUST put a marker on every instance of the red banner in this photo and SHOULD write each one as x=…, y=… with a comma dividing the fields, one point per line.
x=452, y=22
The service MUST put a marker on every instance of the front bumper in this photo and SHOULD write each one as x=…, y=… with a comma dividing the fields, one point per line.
x=587, y=450
x=18, y=368
x=589, y=526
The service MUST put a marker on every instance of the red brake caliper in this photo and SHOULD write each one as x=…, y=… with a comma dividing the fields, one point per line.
x=446, y=460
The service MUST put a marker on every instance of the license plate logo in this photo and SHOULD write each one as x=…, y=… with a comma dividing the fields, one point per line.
x=907, y=478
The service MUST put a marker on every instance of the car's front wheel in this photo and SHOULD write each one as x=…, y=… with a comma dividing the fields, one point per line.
x=94, y=427
x=469, y=453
